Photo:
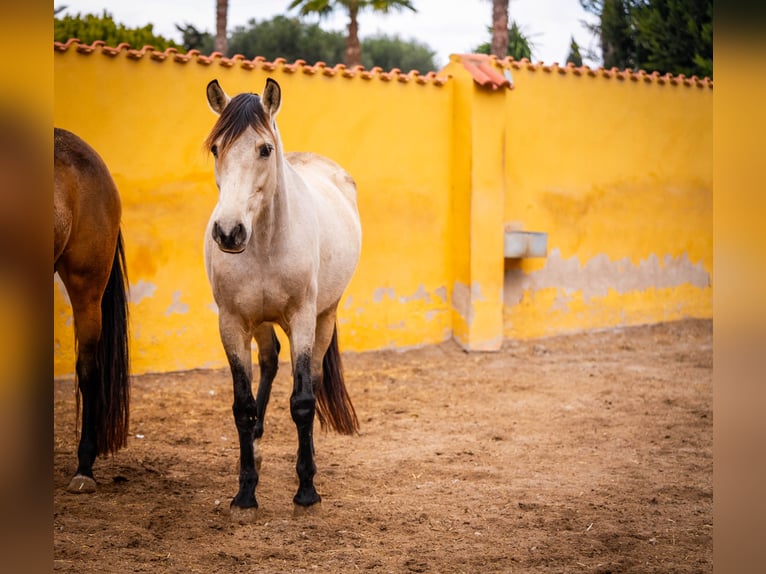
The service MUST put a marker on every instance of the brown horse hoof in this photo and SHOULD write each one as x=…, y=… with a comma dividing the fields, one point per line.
x=81, y=485
x=243, y=515
x=312, y=510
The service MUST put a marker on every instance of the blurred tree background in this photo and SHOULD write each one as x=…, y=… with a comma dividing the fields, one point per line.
x=354, y=49
x=669, y=36
x=519, y=44
x=91, y=27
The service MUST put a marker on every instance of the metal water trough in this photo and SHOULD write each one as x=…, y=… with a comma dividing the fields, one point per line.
x=520, y=244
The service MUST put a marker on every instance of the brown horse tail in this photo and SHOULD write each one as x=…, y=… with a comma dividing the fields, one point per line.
x=114, y=359
x=334, y=406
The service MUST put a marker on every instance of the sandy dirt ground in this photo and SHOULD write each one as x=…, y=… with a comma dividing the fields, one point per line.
x=582, y=453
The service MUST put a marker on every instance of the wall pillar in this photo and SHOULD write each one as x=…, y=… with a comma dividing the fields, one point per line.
x=478, y=202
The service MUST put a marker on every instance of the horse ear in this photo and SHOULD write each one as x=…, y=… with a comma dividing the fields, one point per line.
x=272, y=97
x=216, y=97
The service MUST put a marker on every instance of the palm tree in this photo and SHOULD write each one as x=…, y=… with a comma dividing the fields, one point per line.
x=325, y=7
x=519, y=44
x=221, y=16
x=499, y=46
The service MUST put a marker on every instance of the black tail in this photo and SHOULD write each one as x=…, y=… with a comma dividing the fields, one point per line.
x=334, y=407
x=114, y=400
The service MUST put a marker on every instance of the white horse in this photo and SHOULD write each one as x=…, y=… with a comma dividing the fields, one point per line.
x=280, y=248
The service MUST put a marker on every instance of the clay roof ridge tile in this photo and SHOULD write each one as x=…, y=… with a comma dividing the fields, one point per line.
x=294, y=67
x=486, y=73
x=64, y=46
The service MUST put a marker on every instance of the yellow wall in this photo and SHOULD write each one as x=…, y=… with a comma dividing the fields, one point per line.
x=148, y=119
x=617, y=172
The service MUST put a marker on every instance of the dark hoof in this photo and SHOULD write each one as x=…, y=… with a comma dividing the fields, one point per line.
x=82, y=485
x=244, y=515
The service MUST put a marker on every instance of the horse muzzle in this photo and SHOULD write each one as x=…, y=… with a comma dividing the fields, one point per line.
x=233, y=241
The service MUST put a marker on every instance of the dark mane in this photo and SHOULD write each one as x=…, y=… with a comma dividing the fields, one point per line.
x=243, y=111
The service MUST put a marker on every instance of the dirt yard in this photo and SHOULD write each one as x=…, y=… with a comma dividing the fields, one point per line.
x=583, y=453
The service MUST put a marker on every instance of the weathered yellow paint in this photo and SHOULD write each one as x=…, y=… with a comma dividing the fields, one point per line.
x=609, y=167
x=148, y=120
x=616, y=172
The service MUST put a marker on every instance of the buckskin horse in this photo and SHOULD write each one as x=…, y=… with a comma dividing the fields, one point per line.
x=281, y=246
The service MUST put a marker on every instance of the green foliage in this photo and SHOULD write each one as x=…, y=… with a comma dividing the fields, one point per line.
x=292, y=39
x=391, y=52
x=325, y=7
x=288, y=38
x=519, y=44
x=193, y=39
x=669, y=36
x=675, y=36
x=352, y=8
x=618, y=43
x=90, y=27
x=574, y=53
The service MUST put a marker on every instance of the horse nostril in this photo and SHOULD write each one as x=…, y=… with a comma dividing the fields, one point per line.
x=233, y=241
x=217, y=233
x=238, y=234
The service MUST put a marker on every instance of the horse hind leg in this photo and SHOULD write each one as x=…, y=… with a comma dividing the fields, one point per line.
x=88, y=328
x=100, y=309
x=334, y=407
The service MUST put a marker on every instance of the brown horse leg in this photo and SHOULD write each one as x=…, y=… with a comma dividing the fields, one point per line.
x=88, y=329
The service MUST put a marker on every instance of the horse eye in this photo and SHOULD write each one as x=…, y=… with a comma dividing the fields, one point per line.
x=214, y=150
x=265, y=150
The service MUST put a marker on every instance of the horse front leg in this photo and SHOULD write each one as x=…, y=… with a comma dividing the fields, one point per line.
x=268, y=362
x=236, y=343
x=303, y=405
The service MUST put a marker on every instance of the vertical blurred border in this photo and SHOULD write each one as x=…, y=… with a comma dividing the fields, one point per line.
x=26, y=296
x=739, y=287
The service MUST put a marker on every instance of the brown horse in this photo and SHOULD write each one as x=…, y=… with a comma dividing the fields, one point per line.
x=89, y=257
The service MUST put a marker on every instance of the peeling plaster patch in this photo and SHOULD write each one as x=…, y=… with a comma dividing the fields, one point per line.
x=600, y=274
x=476, y=292
x=461, y=301
x=420, y=295
x=441, y=293
x=213, y=307
x=349, y=300
x=176, y=306
x=563, y=298
x=381, y=292
x=399, y=325
x=430, y=315
x=141, y=291
x=463, y=298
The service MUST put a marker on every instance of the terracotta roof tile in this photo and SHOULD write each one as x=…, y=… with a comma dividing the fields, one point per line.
x=612, y=73
x=259, y=62
x=483, y=71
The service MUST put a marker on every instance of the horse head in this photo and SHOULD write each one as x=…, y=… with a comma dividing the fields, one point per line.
x=248, y=155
